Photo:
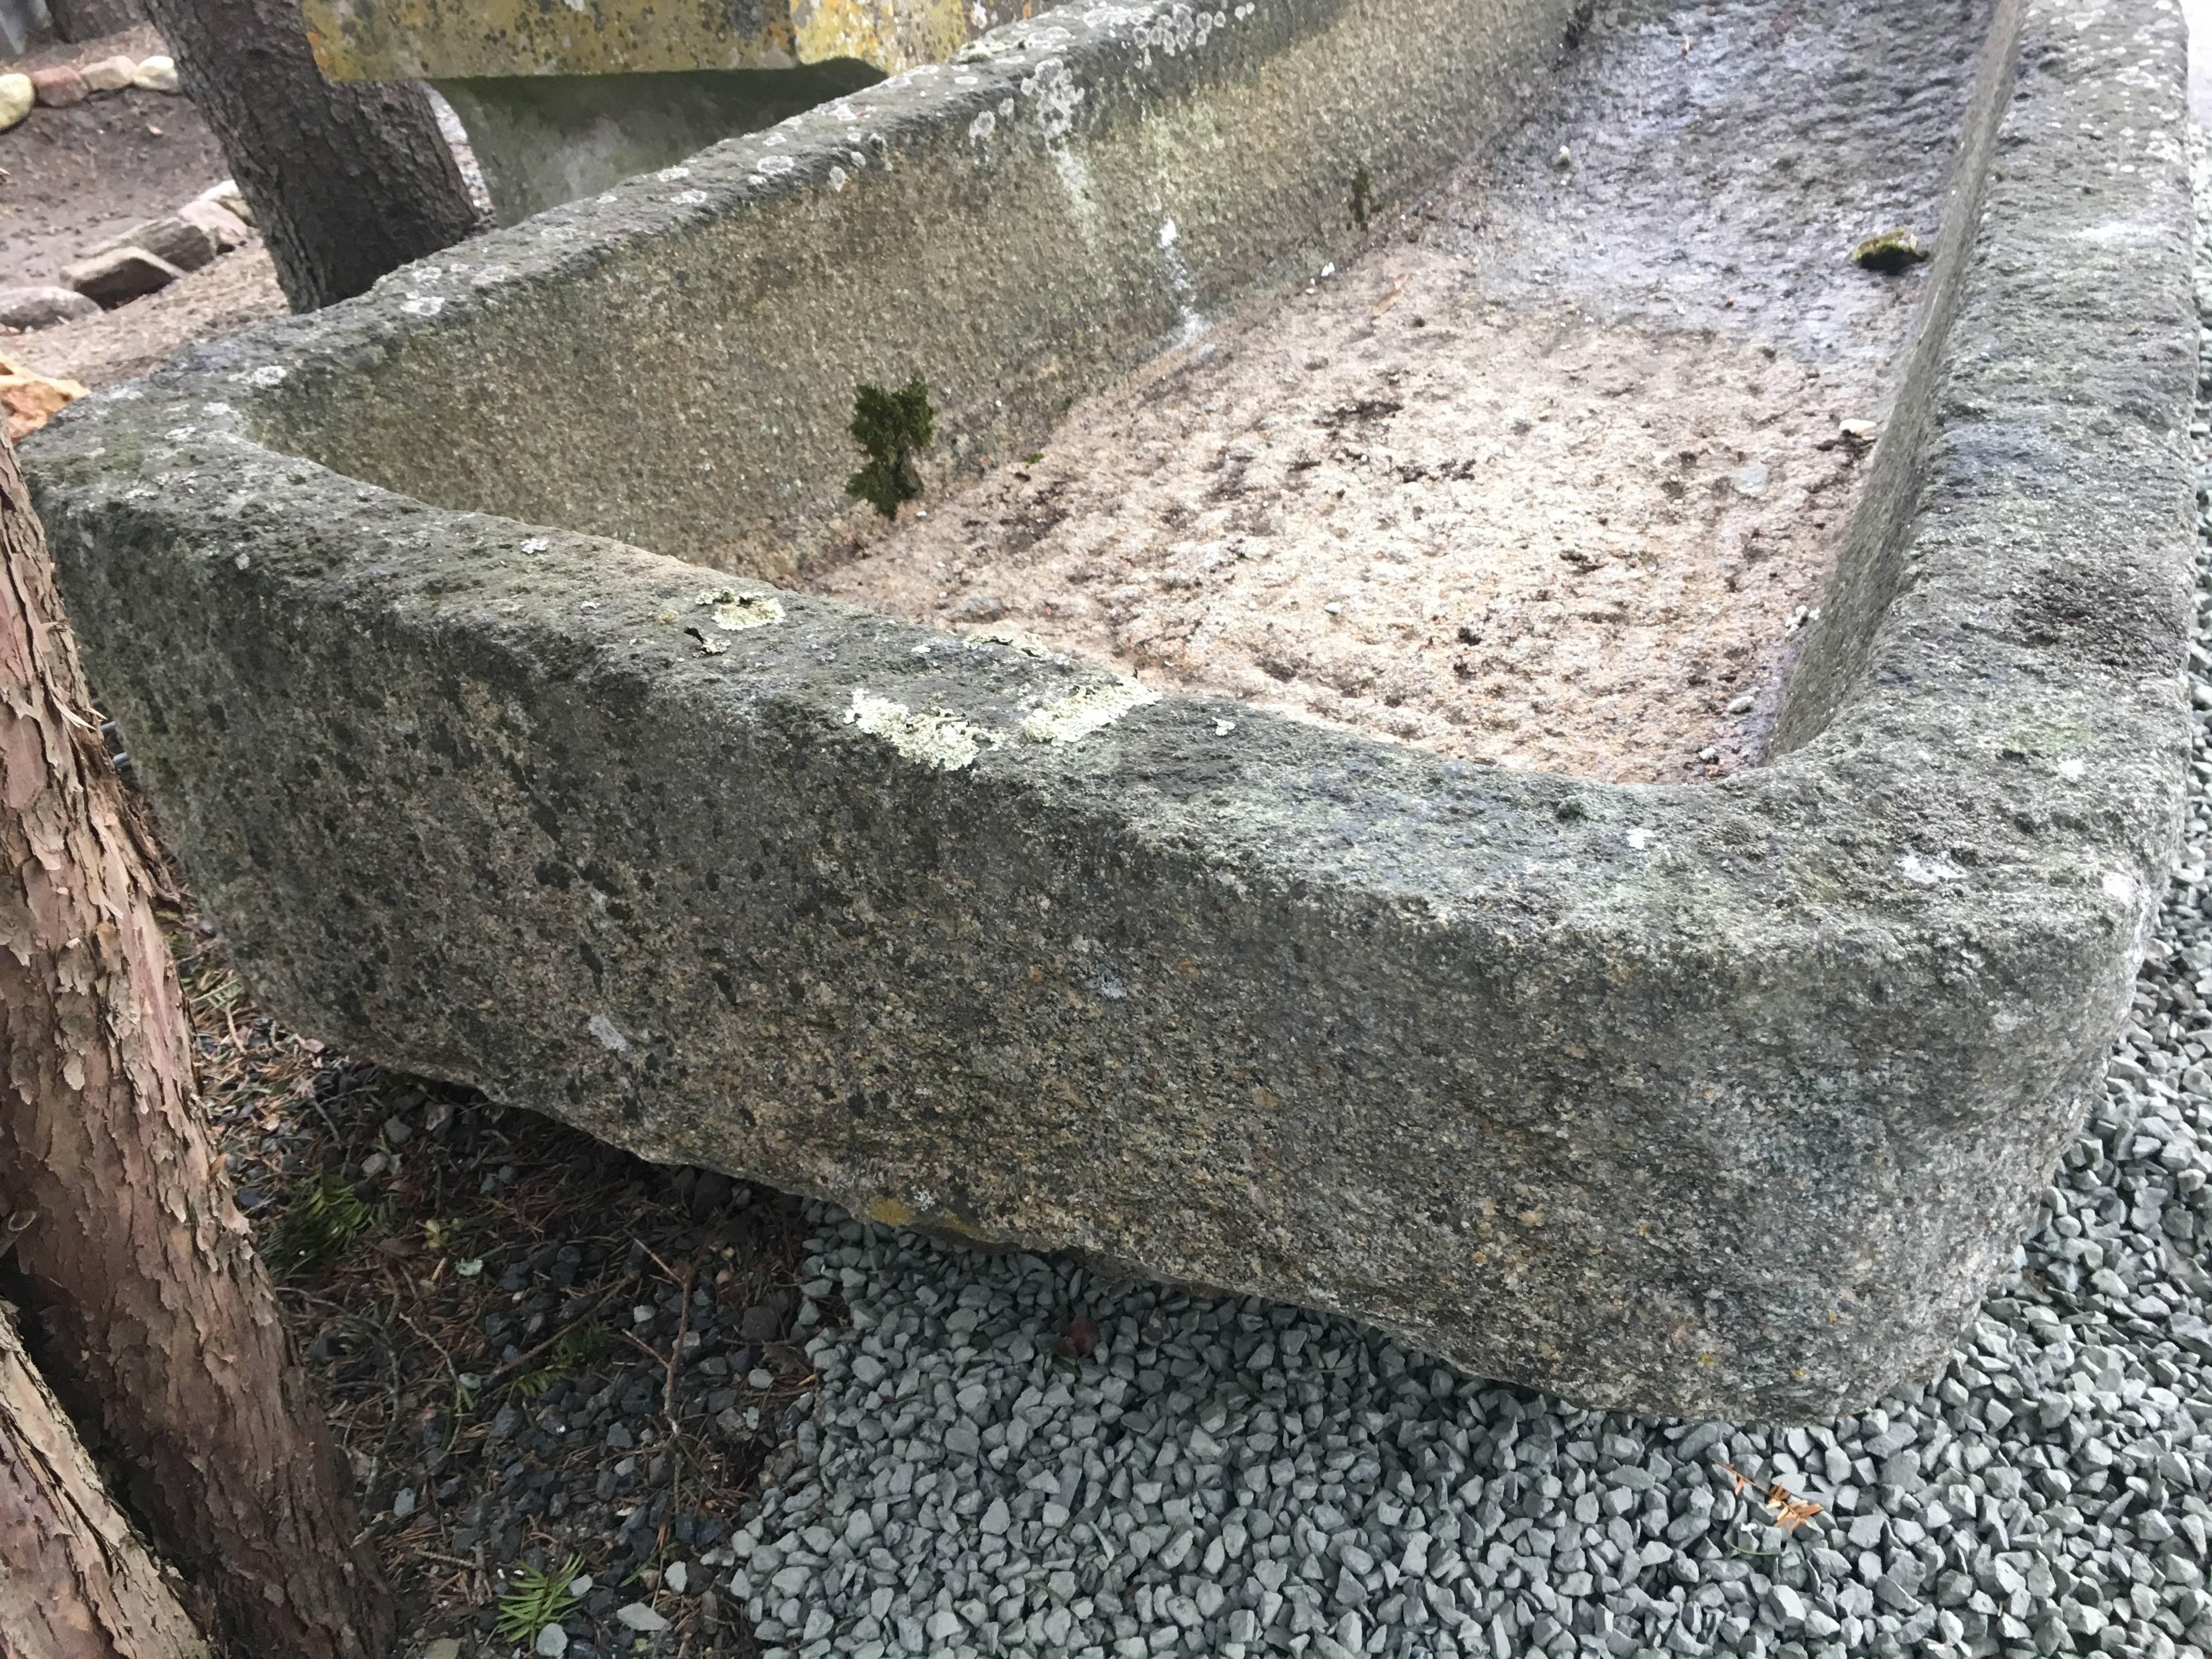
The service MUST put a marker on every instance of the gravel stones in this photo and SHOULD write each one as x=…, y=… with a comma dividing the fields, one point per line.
x=64, y=84
x=59, y=87
x=109, y=73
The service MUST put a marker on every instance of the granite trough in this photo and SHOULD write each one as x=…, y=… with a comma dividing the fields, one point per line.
x=459, y=636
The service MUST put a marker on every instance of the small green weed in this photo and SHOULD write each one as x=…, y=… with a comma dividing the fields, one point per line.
x=583, y=1343
x=892, y=426
x=1891, y=252
x=323, y=1224
x=537, y=1599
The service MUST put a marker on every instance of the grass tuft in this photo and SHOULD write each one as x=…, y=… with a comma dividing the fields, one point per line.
x=538, y=1599
x=325, y=1222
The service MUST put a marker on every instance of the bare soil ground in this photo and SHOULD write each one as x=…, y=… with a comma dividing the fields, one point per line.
x=235, y=292
x=77, y=176
x=71, y=178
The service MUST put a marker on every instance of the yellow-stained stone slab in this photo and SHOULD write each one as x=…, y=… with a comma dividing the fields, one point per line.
x=438, y=40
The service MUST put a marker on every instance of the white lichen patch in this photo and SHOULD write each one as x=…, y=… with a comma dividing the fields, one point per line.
x=1929, y=872
x=1076, y=716
x=1058, y=97
x=940, y=741
x=734, y=612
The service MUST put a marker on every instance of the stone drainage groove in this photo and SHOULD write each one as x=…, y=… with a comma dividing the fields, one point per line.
x=1719, y=1098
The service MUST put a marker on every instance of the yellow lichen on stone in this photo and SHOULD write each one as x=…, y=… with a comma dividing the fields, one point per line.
x=432, y=39
x=892, y=34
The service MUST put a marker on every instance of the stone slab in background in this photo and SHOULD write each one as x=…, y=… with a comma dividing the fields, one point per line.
x=229, y=230
x=120, y=275
x=183, y=242
x=43, y=306
x=226, y=194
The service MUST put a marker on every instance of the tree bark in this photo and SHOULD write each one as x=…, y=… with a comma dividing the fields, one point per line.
x=149, y=1311
x=347, y=180
x=76, y=1582
x=88, y=20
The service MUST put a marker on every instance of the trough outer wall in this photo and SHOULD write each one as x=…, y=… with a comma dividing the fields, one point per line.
x=1728, y=1100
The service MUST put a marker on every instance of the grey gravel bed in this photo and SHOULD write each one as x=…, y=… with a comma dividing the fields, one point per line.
x=1233, y=1478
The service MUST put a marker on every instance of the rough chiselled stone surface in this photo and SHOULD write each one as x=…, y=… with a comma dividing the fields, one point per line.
x=1717, y=1101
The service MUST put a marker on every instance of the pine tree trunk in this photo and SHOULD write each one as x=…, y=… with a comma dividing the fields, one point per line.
x=145, y=1305
x=88, y=20
x=347, y=180
x=76, y=1582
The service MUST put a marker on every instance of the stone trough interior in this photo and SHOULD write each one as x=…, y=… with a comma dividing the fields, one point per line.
x=1549, y=469
x=1553, y=469
x=1343, y=848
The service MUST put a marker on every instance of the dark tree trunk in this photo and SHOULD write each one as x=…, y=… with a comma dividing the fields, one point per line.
x=149, y=1311
x=76, y=1582
x=347, y=180
x=88, y=20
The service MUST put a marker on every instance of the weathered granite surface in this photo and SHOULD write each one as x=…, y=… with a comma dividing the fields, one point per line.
x=1724, y=1100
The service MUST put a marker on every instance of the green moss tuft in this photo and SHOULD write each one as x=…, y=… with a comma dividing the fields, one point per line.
x=892, y=426
x=1890, y=253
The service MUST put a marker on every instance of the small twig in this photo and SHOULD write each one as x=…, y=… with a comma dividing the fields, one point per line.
x=676, y=1353
x=668, y=1401
x=531, y=1353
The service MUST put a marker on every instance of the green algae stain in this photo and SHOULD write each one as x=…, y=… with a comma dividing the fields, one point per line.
x=892, y=426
